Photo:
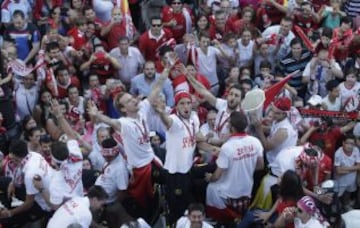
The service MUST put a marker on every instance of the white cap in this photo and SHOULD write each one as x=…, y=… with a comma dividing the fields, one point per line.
x=315, y=100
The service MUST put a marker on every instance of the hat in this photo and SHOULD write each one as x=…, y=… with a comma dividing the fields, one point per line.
x=180, y=95
x=282, y=103
x=315, y=100
x=308, y=204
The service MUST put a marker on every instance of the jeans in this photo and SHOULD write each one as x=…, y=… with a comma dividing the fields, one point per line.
x=249, y=220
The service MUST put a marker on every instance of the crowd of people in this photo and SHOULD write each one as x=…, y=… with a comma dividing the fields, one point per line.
x=116, y=113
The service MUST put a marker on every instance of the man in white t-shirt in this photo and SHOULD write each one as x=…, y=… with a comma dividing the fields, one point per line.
x=66, y=183
x=239, y=157
x=78, y=210
x=134, y=130
x=347, y=164
x=182, y=128
x=114, y=178
x=194, y=218
x=282, y=133
x=224, y=108
x=33, y=166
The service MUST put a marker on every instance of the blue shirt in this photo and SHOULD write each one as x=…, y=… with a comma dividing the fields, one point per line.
x=23, y=39
x=139, y=86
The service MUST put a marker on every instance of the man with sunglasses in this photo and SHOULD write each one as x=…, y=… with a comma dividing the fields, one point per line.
x=152, y=39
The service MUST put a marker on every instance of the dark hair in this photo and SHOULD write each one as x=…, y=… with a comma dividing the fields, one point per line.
x=61, y=67
x=71, y=87
x=200, y=15
x=87, y=7
x=327, y=32
x=265, y=64
x=124, y=38
x=332, y=84
x=59, y=151
x=291, y=187
x=350, y=70
x=349, y=136
x=30, y=132
x=228, y=36
x=45, y=139
x=156, y=17
x=235, y=86
x=97, y=192
x=196, y=207
x=19, y=148
x=287, y=18
x=311, y=152
x=165, y=49
x=25, y=121
x=109, y=143
x=238, y=121
x=52, y=45
x=246, y=81
x=295, y=41
x=203, y=34
x=346, y=20
x=18, y=13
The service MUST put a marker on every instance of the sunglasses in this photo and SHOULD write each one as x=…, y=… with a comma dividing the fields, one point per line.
x=156, y=25
x=176, y=3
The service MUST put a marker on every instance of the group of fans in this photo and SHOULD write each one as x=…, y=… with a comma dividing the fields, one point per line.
x=110, y=117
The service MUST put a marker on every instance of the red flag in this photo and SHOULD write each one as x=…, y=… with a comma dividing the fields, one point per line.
x=304, y=37
x=274, y=90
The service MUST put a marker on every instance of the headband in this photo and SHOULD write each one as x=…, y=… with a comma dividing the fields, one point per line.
x=180, y=95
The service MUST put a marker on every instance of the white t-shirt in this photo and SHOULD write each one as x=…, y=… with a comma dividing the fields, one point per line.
x=207, y=64
x=341, y=159
x=290, y=141
x=181, y=143
x=285, y=46
x=76, y=210
x=130, y=63
x=285, y=160
x=222, y=126
x=184, y=222
x=348, y=94
x=238, y=157
x=67, y=183
x=332, y=106
x=113, y=178
x=26, y=99
x=35, y=164
x=135, y=134
x=245, y=53
x=312, y=223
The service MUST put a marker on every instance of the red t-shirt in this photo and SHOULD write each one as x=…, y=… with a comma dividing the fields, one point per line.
x=62, y=90
x=306, y=23
x=148, y=45
x=271, y=12
x=281, y=207
x=79, y=38
x=216, y=33
x=325, y=167
x=180, y=29
x=330, y=138
x=118, y=30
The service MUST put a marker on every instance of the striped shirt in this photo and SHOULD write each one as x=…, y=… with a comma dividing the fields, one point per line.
x=288, y=65
x=352, y=8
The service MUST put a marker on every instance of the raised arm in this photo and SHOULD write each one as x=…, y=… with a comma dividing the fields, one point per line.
x=96, y=114
x=159, y=106
x=200, y=88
